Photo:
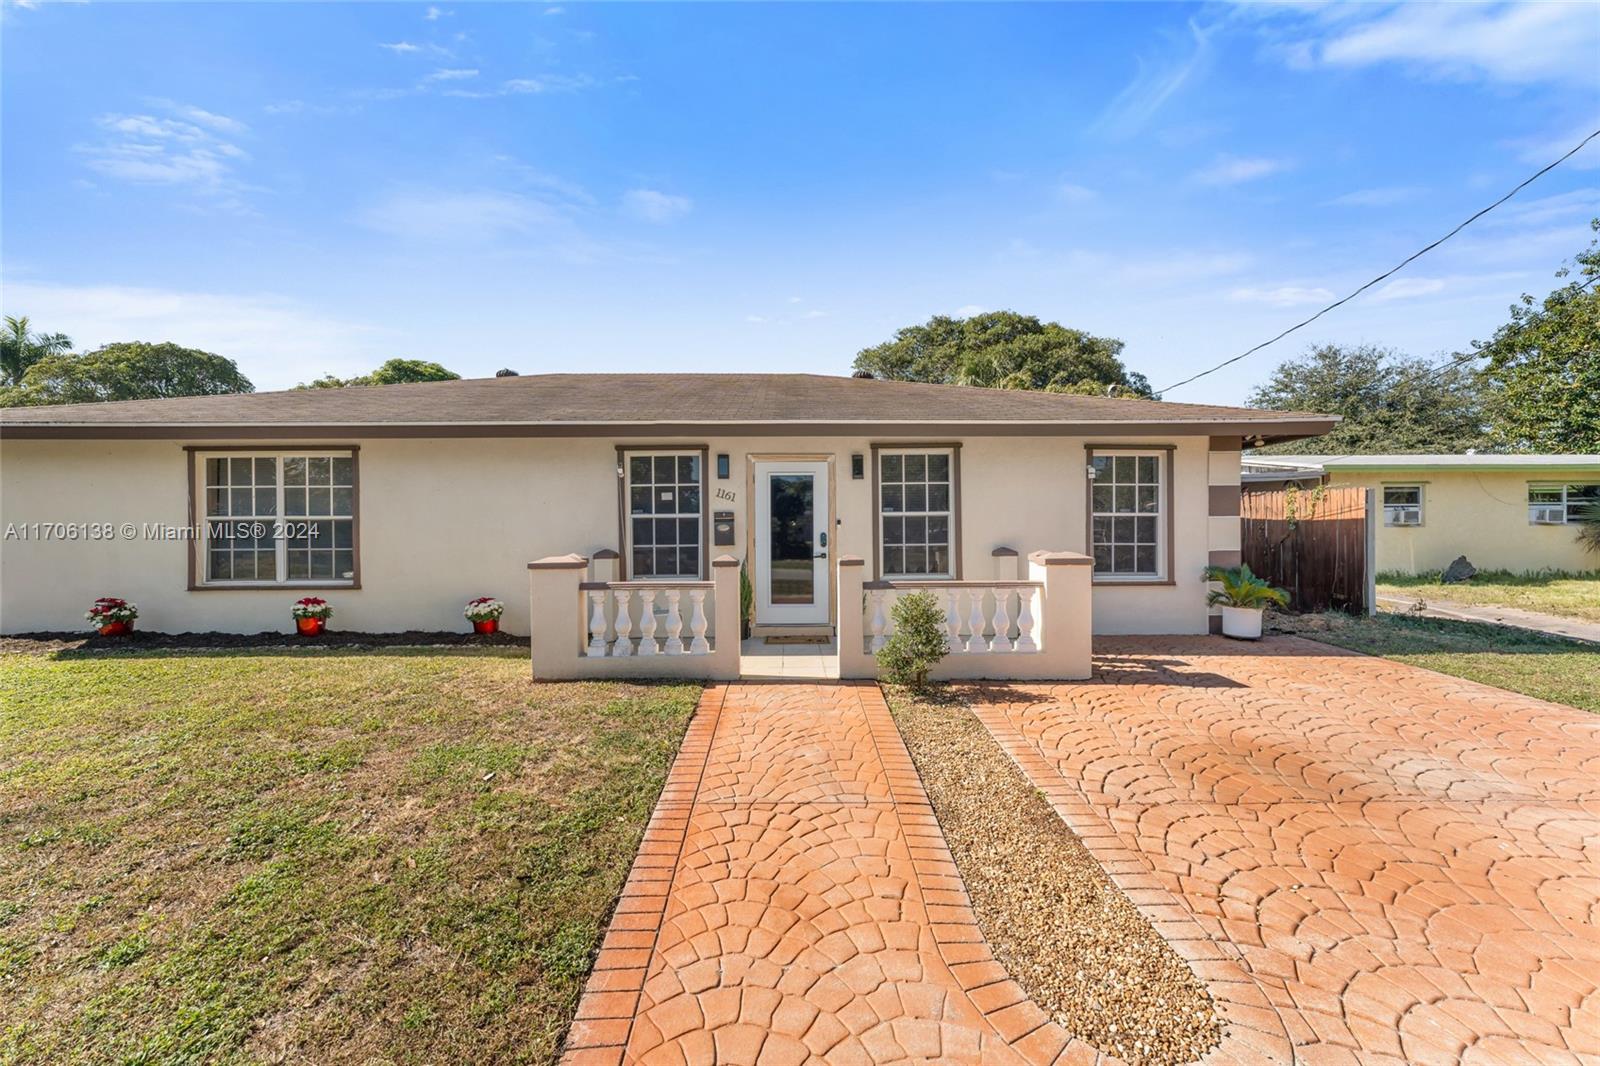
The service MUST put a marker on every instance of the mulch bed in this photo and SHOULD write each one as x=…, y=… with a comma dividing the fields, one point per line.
x=141, y=640
x=1063, y=931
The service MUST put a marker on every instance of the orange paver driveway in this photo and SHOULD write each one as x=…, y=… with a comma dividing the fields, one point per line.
x=1405, y=865
x=1365, y=861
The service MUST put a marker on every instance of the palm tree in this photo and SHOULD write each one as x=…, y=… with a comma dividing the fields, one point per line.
x=1589, y=530
x=20, y=348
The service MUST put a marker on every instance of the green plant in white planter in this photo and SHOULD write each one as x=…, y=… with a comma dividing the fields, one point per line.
x=1244, y=597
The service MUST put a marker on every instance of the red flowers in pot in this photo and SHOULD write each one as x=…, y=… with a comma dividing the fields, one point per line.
x=113, y=617
x=484, y=614
x=311, y=615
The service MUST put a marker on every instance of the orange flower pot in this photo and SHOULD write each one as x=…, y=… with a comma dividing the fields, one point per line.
x=116, y=629
x=310, y=627
x=488, y=625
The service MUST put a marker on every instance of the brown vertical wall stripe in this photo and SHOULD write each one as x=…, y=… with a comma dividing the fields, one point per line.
x=1226, y=444
x=1224, y=501
x=1228, y=558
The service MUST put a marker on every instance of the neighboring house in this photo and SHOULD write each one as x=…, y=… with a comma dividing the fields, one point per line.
x=1503, y=512
x=403, y=501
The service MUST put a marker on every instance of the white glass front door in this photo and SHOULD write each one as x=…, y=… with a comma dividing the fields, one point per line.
x=792, y=543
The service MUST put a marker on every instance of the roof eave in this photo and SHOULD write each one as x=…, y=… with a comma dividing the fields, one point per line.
x=1270, y=430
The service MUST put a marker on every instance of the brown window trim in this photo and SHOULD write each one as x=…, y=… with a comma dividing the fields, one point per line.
x=624, y=556
x=955, y=503
x=195, y=585
x=1170, y=475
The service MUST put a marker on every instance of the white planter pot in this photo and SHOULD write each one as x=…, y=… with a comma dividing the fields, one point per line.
x=1242, y=622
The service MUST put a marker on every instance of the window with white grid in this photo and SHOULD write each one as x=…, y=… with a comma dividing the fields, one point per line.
x=915, y=513
x=664, y=514
x=278, y=518
x=1127, y=515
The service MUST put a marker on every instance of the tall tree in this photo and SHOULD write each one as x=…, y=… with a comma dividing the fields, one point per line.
x=129, y=370
x=1543, y=374
x=393, y=372
x=20, y=348
x=1003, y=350
x=1389, y=403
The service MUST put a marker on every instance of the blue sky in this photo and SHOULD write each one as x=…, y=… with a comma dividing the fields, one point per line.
x=315, y=188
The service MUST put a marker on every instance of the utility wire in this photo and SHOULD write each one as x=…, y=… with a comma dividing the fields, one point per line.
x=1449, y=364
x=1465, y=357
x=1541, y=172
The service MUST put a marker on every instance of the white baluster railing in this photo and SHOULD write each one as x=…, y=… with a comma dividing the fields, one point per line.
x=616, y=629
x=623, y=645
x=988, y=625
x=674, y=624
x=647, y=623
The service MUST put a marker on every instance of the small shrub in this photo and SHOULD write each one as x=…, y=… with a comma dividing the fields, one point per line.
x=918, y=641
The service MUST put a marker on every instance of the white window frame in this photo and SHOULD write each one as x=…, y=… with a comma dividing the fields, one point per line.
x=1556, y=512
x=949, y=514
x=203, y=520
x=1393, y=511
x=1163, y=520
x=624, y=459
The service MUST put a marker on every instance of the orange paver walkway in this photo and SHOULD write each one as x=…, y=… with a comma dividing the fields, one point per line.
x=1366, y=862
x=794, y=901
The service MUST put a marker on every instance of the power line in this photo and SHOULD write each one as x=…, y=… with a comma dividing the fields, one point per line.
x=1541, y=172
x=1464, y=357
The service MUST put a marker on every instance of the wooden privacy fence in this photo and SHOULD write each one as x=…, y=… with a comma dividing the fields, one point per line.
x=1315, y=542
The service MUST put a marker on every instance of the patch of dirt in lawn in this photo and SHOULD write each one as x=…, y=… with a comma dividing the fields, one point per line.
x=1063, y=931
x=140, y=640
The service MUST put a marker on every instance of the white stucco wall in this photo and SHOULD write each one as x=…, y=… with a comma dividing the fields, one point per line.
x=443, y=520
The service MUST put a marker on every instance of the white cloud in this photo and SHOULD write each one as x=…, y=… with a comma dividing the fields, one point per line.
x=555, y=11
x=550, y=83
x=275, y=341
x=468, y=217
x=1156, y=81
x=433, y=14
x=1547, y=148
x=1234, y=170
x=544, y=83
x=401, y=47
x=755, y=320
x=1282, y=296
x=1409, y=288
x=1518, y=43
x=653, y=206
x=1384, y=196
x=451, y=75
x=1073, y=193
x=150, y=149
x=968, y=310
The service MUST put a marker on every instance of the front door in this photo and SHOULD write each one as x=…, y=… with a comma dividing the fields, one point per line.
x=792, y=535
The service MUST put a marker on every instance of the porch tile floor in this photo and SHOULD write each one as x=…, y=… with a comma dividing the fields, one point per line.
x=1366, y=862
x=759, y=660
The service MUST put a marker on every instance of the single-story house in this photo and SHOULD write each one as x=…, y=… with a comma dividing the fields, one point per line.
x=400, y=502
x=1503, y=512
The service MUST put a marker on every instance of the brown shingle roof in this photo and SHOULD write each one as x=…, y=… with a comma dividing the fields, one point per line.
x=554, y=404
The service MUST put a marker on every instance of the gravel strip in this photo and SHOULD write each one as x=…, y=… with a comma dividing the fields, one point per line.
x=142, y=640
x=1063, y=931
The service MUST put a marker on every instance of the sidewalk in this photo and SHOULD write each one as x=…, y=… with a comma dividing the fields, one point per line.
x=1549, y=624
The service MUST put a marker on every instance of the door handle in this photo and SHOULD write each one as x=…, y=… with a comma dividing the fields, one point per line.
x=820, y=555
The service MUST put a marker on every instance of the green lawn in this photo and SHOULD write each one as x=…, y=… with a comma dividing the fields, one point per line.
x=1570, y=595
x=374, y=857
x=1562, y=671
